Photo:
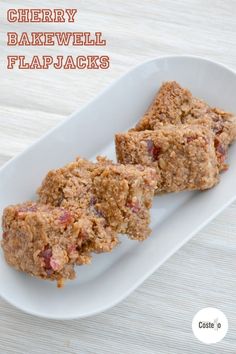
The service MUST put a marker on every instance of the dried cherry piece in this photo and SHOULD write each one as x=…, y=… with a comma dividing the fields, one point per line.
x=99, y=213
x=83, y=235
x=134, y=206
x=153, y=150
x=4, y=235
x=218, y=129
x=190, y=138
x=93, y=201
x=220, y=150
x=25, y=209
x=65, y=217
x=72, y=248
x=54, y=264
x=94, y=209
x=46, y=254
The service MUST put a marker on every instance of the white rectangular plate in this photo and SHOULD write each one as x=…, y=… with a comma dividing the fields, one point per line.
x=90, y=132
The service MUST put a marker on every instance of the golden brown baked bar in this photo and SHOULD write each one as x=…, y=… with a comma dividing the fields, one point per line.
x=48, y=242
x=176, y=105
x=124, y=195
x=121, y=194
x=183, y=156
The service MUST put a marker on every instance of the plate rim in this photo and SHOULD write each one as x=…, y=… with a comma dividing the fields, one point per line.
x=173, y=251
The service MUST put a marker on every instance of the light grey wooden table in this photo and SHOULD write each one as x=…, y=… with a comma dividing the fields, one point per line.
x=157, y=317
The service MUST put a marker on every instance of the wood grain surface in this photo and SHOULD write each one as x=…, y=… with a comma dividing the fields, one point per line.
x=157, y=317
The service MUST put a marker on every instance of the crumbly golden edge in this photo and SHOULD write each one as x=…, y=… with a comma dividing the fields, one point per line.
x=59, y=183
x=176, y=161
x=125, y=194
x=169, y=105
x=71, y=182
x=176, y=105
